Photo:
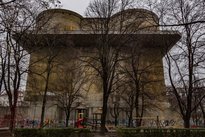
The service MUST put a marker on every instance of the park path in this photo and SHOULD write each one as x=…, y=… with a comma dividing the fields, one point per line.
x=108, y=134
x=4, y=132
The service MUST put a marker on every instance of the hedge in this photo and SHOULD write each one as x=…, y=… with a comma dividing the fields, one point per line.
x=155, y=132
x=65, y=132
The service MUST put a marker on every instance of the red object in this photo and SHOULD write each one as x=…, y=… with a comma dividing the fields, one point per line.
x=79, y=123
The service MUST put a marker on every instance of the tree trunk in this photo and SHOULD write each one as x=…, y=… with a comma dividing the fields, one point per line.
x=186, y=122
x=116, y=120
x=44, y=100
x=13, y=110
x=130, y=124
x=104, y=113
x=13, y=117
x=203, y=112
x=43, y=111
x=204, y=121
x=137, y=108
x=142, y=112
x=67, y=119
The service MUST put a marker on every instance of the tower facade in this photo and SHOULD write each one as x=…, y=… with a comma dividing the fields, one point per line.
x=64, y=42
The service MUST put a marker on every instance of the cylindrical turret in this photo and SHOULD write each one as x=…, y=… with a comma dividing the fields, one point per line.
x=58, y=20
x=137, y=19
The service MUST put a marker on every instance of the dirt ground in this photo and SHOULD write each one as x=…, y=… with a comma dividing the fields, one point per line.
x=5, y=133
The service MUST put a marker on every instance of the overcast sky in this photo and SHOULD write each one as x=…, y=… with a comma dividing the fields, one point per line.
x=78, y=6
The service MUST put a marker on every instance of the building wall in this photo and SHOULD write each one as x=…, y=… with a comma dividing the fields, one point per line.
x=64, y=55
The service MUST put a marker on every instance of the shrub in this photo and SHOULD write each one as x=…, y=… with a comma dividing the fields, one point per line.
x=129, y=132
x=155, y=132
x=67, y=132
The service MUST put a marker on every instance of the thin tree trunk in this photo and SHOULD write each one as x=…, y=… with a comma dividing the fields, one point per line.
x=13, y=117
x=13, y=110
x=130, y=115
x=116, y=113
x=104, y=113
x=186, y=122
x=142, y=112
x=203, y=112
x=67, y=118
x=43, y=110
x=130, y=120
x=137, y=107
x=44, y=100
x=116, y=120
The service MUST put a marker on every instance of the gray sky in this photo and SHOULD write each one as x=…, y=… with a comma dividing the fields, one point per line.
x=78, y=6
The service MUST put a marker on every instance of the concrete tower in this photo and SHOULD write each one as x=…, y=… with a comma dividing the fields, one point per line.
x=62, y=36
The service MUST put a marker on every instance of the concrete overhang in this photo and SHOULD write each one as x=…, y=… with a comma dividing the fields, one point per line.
x=163, y=40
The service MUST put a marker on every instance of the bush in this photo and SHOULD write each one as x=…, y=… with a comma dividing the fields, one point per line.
x=129, y=132
x=67, y=132
x=155, y=132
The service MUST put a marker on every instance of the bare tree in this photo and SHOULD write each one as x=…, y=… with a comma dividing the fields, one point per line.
x=13, y=59
x=106, y=56
x=2, y=68
x=70, y=89
x=187, y=59
x=202, y=111
x=129, y=99
x=138, y=95
x=6, y=2
x=115, y=106
x=44, y=75
x=17, y=17
x=112, y=21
